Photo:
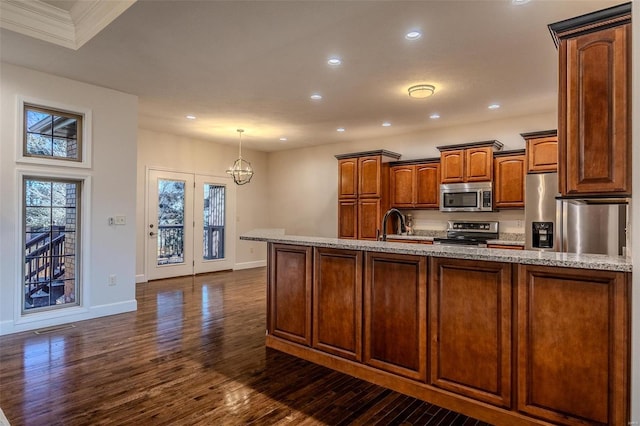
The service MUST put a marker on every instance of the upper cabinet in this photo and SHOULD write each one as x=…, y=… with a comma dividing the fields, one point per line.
x=363, y=188
x=542, y=151
x=468, y=162
x=415, y=184
x=594, y=123
x=509, y=172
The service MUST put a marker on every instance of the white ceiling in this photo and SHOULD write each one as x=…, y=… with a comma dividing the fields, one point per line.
x=254, y=64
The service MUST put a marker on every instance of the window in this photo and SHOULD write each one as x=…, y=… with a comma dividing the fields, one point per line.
x=53, y=134
x=50, y=133
x=51, y=236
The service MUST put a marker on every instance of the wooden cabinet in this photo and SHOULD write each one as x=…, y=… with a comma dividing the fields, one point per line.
x=501, y=342
x=363, y=193
x=415, y=185
x=408, y=241
x=452, y=166
x=468, y=162
x=289, y=293
x=594, y=123
x=505, y=247
x=395, y=312
x=573, y=351
x=542, y=151
x=337, y=302
x=470, y=317
x=509, y=172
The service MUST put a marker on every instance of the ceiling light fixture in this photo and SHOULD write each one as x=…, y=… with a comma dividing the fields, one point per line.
x=386, y=124
x=434, y=116
x=493, y=106
x=413, y=35
x=340, y=129
x=190, y=117
x=316, y=96
x=334, y=61
x=519, y=2
x=421, y=91
x=283, y=139
x=241, y=171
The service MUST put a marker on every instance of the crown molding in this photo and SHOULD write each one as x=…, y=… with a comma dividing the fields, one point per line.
x=90, y=18
x=38, y=20
x=54, y=25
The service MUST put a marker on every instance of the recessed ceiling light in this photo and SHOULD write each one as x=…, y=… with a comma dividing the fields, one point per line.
x=334, y=61
x=519, y=2
x=386, y=124
x=190, y=117
x=283, y=139
x=494, y=106
x=434, y=116
x=413, y=35
x=340, y=129
x=316, y=96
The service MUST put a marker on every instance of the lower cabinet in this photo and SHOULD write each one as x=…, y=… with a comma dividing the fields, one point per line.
x=395, y=312
x=289, y=294
x=573, y=345
x=337, y=302
x=505, y=343
x=470, y=312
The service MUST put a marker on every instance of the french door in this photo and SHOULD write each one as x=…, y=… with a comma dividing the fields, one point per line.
x=190, y=227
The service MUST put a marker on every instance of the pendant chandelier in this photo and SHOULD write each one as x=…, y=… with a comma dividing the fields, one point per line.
x=241, y=170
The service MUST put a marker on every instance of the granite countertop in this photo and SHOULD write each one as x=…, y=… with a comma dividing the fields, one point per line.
x=528, y=257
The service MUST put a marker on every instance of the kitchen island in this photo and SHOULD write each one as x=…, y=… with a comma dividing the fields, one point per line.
x=508, y=337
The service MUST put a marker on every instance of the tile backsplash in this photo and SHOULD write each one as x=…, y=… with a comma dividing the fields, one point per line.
x=511, y=221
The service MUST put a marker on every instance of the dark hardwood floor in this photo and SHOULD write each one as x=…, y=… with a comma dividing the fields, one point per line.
x=193, y=353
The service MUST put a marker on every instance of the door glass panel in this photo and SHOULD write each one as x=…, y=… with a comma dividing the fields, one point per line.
x=214, y=221
x=171, y=205
x=51, y=243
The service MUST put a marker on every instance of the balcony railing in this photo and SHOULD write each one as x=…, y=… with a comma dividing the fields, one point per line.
x=44, y=261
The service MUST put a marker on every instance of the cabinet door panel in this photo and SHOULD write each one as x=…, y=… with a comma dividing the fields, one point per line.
x=471, y=328
x=402, y=183
x=573, y=345
x=542, y=154
x=347, y=219
x=370, y=176
x=369, y=218
x=509, y=182
x=427, y=185
x=290, y=293
x=395, y=314
x=478, y=164
x=452, y=166
x=598, y=144
x=337, y=302
x=348, y=178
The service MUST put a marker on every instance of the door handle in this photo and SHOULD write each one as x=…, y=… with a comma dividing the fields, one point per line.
x=151, y=234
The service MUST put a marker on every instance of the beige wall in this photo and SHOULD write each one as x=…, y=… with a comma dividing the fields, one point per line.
x=303, y=182
x=181, y=154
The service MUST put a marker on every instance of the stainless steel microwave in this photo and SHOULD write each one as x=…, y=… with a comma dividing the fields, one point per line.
x=466, y=197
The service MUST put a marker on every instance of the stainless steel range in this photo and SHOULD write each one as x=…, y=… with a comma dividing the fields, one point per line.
x=469, y=233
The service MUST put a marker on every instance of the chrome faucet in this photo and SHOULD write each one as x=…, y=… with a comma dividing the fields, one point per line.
x=403, y=228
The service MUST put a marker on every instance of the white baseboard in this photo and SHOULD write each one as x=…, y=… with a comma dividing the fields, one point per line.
x=250, y=265
x=141, y=278
x=57, y=317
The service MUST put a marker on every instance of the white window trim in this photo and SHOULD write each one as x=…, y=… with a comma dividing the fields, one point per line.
x=21, y=317
x=85, y=161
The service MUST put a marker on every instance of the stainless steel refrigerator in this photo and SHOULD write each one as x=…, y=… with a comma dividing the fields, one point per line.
x=552, y=223
x=541, y=190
